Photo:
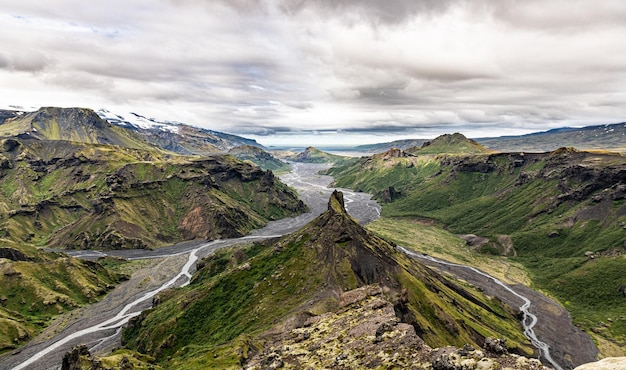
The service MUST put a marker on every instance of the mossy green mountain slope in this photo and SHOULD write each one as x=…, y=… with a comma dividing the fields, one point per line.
x=63, y=194
x=314, y=155
x=259, y=157
x=563, y=214
x=449, y=144
x=38, y=286
x=71, y=124
x=239, y=300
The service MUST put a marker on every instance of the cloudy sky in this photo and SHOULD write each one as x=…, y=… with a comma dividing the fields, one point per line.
x=300, y=72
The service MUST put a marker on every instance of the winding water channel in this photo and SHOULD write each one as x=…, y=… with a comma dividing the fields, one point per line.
x=99, y=325
x=528, y=322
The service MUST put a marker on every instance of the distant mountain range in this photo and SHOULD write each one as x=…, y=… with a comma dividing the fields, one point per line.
x=602, y=137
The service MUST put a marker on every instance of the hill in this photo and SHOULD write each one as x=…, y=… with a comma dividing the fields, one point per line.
x=383, y=147
x=601, y=137
x=611, y=137
x=561, y=214
x=314, y=155
x=259, y=157
x=333, y=279
x=75, y=195
x=449, y=144
x=104, y=127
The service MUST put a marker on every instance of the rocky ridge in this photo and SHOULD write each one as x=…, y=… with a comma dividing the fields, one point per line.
x=366, y=333
x=330, y=274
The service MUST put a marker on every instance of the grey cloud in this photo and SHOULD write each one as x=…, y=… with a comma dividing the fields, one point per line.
x=4, y=61
x=265, y=67
x=29, y=61
x=556, y=14
x=384, y=12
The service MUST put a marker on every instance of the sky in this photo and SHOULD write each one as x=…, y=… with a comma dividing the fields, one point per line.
x=323, y=72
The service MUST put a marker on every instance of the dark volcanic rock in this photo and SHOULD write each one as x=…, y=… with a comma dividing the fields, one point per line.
x=13, y=254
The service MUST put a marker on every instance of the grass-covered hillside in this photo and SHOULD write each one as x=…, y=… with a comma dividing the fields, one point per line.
x=71, y=124
x=449, y=144
x=240, y=302
x=259, y=157
x=314, y=155
x=62, y=194
x=38, y=286
x=561, y=214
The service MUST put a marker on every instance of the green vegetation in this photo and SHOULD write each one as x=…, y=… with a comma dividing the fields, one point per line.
x=561, y=215
x=75, y=195
x=259, y=157
x=36, y=290
x=314, y=155
x=71, y=194
x=428, y=238
x=240, y=295
x=449, y=144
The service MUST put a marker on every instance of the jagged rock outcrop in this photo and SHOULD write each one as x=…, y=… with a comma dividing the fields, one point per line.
x=13, y=254
x=365, y=332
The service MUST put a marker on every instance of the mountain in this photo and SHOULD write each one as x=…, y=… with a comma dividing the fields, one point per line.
x=601, y=137
x=610, y=137
x=259, y=157
x=561, y=214
x=177, y=137
x=70, y=194
x=314, y=155
x=70, y=124
x=449, y=144
x=383, y=147
x=8, y=114
x=104, y=127
x=38, y=286
x=76, y=195
x=331, y=292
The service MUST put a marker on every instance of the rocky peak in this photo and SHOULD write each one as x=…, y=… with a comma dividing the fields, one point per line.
x=392, y=153
x=338, y=238
x=336, y=203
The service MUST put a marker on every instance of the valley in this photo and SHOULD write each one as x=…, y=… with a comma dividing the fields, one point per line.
x=97, y=325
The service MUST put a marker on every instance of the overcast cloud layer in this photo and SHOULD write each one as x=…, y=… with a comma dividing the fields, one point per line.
x=273, y=70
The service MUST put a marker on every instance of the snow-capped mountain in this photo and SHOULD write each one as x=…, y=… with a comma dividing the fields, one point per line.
x=135, y=120
x=175, y=136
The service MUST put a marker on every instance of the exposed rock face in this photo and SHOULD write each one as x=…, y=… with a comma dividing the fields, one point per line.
x=76, y=358
x=13, y=254
x=366, y=333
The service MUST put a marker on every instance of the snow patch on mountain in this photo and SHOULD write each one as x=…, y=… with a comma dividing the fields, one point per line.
x=137, y=121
